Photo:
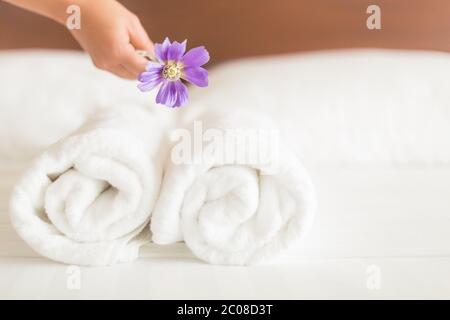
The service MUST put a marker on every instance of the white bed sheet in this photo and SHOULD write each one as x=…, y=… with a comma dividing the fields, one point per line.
x=394, y=220
x=412, y=278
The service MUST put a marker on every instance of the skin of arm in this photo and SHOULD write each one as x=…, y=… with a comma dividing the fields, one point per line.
x=109, y=32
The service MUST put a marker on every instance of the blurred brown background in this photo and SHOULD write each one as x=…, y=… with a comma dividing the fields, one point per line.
x=235, y=28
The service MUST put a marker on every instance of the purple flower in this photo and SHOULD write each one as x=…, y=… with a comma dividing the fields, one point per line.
x=172, y=67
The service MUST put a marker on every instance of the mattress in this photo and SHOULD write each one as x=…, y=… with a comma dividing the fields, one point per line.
x=381, y=231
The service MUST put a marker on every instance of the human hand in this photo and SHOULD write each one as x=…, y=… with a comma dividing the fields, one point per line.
x=111, y=34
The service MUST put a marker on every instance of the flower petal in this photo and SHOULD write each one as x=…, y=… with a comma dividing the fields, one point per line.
x=148, y=76
x=153, y=65
x=172, y=94
x=196, y=57
x=167, y=94
x=182, y=94
x=161, y=50
x=149, y=81
x=196, y=75
x=150, y=73
x=176, y=50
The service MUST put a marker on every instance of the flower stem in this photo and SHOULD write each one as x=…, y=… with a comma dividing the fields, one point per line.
x=146, y=54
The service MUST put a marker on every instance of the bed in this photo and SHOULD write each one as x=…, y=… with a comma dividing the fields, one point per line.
x=382, y=231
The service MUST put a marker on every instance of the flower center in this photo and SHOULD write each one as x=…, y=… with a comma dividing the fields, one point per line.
x=172, y=71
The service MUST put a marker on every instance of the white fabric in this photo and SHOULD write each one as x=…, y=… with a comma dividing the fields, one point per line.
x=368, y=216
x=362, y=213
x=332, y=109
x=234, y=205
x=88, y=198
x=362, y=109
x=367, y=212
x=46, y=95
x=352, y=107
x=349, y=107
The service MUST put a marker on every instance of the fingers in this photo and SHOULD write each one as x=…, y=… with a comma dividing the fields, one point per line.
x=139, y=38
x=133, y=62
x=121, y=58
x=122, y=72
x=125, y=63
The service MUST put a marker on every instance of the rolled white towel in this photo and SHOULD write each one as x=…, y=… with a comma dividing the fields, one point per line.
x=87, y=199
x=240, y=197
